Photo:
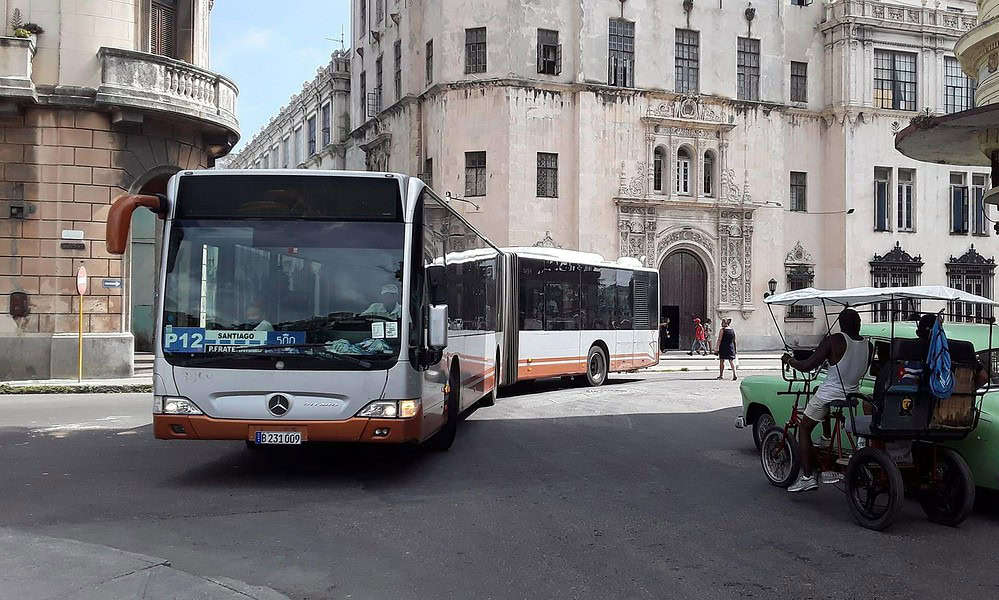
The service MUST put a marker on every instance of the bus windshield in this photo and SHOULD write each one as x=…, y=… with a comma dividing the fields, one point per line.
x=316, y=293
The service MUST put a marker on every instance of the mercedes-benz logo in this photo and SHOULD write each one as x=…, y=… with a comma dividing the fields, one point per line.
x=278, y=405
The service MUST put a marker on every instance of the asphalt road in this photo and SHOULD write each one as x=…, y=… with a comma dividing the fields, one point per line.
x=642, y=489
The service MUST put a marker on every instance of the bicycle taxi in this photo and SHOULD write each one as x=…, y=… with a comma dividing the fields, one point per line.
x=887, y=443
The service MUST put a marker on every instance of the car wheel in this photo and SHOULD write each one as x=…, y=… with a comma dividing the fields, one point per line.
x=951, y=494
x=764, y=421
x=596, y=367
x=874, y=488
x=779, y=457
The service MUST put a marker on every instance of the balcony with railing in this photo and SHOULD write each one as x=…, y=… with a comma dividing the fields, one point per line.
x=142, y=81
x=899, y=15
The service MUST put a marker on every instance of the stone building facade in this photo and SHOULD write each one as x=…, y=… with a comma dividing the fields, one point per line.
x=310, y=132
x=114, y=96
x=728, y=143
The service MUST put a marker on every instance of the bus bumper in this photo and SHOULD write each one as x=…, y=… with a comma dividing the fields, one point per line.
x=357, y=429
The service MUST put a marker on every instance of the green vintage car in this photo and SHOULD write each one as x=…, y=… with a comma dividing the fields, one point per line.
x=762, y=408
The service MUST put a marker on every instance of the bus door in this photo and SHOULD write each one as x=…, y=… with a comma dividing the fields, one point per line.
x=624, y=351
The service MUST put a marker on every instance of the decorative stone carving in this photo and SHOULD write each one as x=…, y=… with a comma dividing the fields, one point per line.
x=546, y=242
x=993, y=62
x=736, y=249
x=912, y=16
x=685, y=107
x=878, y=10
x=637, y=229
x=684, y=235
x=633, y=185
x=798, y=256
x=894, y=13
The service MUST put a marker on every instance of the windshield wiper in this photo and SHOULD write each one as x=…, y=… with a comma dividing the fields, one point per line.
x=318, y=350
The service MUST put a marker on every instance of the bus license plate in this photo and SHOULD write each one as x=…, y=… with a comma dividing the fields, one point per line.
x=279, y=437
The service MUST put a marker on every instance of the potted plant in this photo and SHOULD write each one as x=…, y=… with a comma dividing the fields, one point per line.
x=30, y=31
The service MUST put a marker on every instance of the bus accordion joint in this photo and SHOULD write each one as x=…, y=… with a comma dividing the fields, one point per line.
x=120, y=217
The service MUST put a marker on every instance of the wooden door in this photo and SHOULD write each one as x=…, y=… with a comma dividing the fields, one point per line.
x=683, y=287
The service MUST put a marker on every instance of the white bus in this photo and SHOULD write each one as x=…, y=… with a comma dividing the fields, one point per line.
x=576, y=314
x=307, y=305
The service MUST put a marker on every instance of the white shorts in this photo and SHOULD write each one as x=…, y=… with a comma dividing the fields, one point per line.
x=817, y=409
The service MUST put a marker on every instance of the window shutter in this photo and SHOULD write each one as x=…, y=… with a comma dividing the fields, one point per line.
x=163, y=30
x=541, y=59
x=558, y=59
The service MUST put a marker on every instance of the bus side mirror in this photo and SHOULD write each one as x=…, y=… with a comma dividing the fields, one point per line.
x=120, y=218
x=436, y=285
x=437, y=327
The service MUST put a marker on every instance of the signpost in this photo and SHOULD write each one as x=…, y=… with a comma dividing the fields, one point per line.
x=81, y=287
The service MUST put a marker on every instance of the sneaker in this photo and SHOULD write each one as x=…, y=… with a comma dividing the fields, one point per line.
x=824, y=442
x=804, y=484
x=830, y=477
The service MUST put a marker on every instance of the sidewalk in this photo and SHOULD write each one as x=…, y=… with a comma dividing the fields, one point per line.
x=33, y=566
x=675, y=360
x=141, y=381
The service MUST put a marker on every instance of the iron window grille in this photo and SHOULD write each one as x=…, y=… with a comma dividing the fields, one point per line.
x=895, y=268
x=958, y=203
x=378, y=85
x=475, y=173
x=621, y=53
x=979, y=214
x=687, y=61
x=798, y=190
x=882, y=181
x=549, y=52
x=748, y=69
x=397, y=55
x=971, y=273
x=327, y=134
x=905, y=201
x=959, y=89
x=799, y=82
x=799, y=277
x=475, y=50
x=894, y=80
x=430, y=62
x=427, y=176
x=547, y=175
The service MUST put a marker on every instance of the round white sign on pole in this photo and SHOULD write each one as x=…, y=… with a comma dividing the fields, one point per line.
x=81, y=280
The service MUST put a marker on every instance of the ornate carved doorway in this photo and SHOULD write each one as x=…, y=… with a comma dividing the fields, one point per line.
x=683, y=288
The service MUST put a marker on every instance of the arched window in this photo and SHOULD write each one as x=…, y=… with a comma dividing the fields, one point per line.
x=709, y=173
x=658, y=162
x=683, y=171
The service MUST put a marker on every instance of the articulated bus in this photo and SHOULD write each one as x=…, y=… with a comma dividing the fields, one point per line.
x=299, y=306
x=575, y=314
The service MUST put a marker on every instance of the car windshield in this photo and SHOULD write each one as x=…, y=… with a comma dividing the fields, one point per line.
x=287, y=286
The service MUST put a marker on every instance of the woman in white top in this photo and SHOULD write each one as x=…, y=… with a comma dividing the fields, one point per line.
x=849, y=356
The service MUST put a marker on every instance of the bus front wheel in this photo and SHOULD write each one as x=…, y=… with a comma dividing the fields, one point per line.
x=596, y=367
x=444, y=438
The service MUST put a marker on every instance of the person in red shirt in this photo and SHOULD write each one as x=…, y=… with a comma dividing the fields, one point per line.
x=700, y=344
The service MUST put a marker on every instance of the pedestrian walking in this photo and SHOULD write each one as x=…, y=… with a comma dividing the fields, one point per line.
x=663, y=335
x=699, y=345
x=726, y=349
x=708, y=331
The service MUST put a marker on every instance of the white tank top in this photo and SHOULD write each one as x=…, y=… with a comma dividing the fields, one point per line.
x=846, y=374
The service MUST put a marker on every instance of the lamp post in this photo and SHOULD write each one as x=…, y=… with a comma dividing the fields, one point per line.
x=772, y=286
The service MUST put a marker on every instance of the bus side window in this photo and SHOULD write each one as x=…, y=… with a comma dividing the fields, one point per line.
x=532, y=295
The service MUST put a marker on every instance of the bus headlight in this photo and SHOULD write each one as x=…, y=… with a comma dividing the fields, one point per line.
x=175, y=405
x=390, y=409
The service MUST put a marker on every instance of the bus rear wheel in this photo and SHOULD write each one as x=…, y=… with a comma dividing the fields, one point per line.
x=596, y=367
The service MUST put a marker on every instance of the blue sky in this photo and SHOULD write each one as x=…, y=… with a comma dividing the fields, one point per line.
x=270, y=49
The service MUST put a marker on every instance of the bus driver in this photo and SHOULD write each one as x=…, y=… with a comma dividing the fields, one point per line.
x=390, y=297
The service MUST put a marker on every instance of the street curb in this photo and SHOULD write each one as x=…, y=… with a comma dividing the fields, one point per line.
x=704, y=368
x=41, y=388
